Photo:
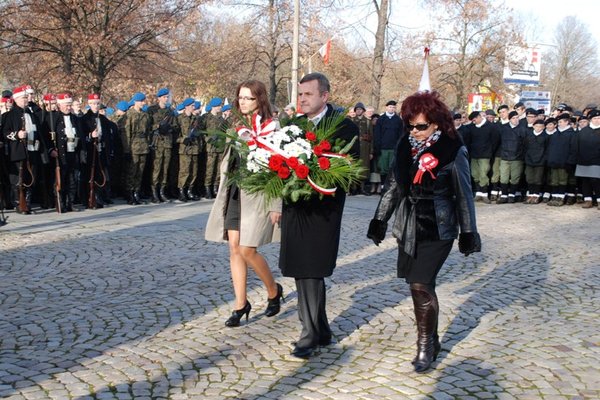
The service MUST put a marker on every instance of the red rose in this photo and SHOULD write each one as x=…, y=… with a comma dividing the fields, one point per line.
x=325, y=145
x=275, y=162
x=324, y=163
x=292, y=162
x=318, y=150
x=283, y=172
x=311, y=136
x=302, y=171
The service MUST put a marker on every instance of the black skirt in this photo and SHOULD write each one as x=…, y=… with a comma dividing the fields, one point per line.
x=428, y=260
x=233, y=211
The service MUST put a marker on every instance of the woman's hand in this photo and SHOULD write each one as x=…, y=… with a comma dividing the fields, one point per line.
x=275, y=217
x=377, y=231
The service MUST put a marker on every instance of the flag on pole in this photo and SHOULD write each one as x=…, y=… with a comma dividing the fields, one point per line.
x=425, y=85
x=324, y=51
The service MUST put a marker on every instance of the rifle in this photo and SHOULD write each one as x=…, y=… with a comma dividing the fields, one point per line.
x=57, y=180
x=92, y=182
x=24, y=164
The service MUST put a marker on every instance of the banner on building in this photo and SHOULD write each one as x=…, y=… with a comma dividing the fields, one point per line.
x=536, y=100
x=522, y=65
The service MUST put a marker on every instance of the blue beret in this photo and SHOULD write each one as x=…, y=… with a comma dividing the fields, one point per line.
x=110, y=111
x=162, y=92
x=181, y=106
x=226, y=107
x=197, y=105
x=187, y=102
x=207, y=108
x=215, y=102
x=138, y=97
x=145, y=107
x=123, y=105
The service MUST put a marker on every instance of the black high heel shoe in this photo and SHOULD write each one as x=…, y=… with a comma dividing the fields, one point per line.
x=274, y=304
x=236, y=315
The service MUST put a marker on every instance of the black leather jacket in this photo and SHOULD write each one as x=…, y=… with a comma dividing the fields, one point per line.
x=435, y=208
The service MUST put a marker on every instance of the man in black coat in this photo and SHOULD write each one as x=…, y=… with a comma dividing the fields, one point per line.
x=310, y=229
x=482, y=144
x=388, y=130
x=26, y=144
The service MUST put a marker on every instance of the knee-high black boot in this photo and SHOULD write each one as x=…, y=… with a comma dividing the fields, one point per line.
x=426, y=315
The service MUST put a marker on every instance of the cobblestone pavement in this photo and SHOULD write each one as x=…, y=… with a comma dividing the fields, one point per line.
x=129, y=302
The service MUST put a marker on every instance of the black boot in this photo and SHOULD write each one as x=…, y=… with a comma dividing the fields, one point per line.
x=136, y=198
x=161, y=194
x=192, y=196
x=209, y=192
x=155, y=196
x=237, y=315
x=182, y=196
x=426, y=315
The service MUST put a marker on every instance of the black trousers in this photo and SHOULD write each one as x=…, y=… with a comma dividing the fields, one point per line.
x=311, y=312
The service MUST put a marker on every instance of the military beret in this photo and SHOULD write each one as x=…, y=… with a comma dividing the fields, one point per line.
x=593, y=113
x=215, y=102
x=563, y=116
x=391, y=103
x=110, y=111
x=541, y=111
x=538, y=122
x=145, y=107
x=226, y=107
x=513, y=114
x=503, y=107
x=122, y=105
x=561, y=106
x=360, y=105
x=455, y=116
x=197, y=105
x=19, y=91
x=187, y=102
x=6, y=93
x=182, y=105
x=550, y=121
x=519, y=104
x=591, y=105
x=138, y=97
x=162, y=92
x=473, y=115
x=531, y=111
x=490, y=112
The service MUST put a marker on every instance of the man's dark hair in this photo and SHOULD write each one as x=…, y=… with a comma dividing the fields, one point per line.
x=317, y=76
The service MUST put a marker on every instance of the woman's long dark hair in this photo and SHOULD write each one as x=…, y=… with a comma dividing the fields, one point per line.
x=432, y=107
x=258, y=90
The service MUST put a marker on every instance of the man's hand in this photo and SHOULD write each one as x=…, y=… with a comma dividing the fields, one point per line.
x=22, y=134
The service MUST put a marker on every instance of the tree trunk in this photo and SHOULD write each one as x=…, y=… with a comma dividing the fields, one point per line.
x=382, y=22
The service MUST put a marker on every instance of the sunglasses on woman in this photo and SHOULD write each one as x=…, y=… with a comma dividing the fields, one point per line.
x=419, y=127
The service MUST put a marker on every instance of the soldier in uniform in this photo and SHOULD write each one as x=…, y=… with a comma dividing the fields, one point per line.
x=120, y=165
x=98, y=138
x=5, y=106
x=189, y=149
x=214, y=146
x=66, y=141
x=136, y=146
x=164, y=125
x=365, y=136
x=26, y=144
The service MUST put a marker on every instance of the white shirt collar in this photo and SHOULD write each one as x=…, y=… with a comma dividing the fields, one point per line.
x=317, y=118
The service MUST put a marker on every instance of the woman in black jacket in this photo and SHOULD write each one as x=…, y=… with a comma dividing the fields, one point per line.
x=431, y=195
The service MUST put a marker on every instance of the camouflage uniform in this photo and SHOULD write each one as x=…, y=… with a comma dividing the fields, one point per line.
x=189, y=150
x=136, y=145
x=215, y=145
x=164, y=131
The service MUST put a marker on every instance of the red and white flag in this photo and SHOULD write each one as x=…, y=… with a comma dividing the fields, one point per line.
x=425, y=85
x=324, y=51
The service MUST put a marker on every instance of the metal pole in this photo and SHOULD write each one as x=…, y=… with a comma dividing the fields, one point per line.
x=295, y=45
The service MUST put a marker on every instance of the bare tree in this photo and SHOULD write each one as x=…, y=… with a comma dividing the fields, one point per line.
x=469, y=44
x=573, y=63
x=87, y=41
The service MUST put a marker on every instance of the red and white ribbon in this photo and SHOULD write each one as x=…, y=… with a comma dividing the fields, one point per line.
x=427, y=163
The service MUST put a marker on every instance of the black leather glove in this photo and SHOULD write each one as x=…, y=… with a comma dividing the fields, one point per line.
x=469, y=242
x=376, y=232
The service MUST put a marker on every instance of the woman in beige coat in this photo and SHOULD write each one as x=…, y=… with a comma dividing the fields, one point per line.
x=244, y=220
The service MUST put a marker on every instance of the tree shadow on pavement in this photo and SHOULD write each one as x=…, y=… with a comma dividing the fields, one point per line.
x=516, y=282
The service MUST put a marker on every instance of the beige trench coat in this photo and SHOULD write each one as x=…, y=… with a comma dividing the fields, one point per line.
x=256, y=228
